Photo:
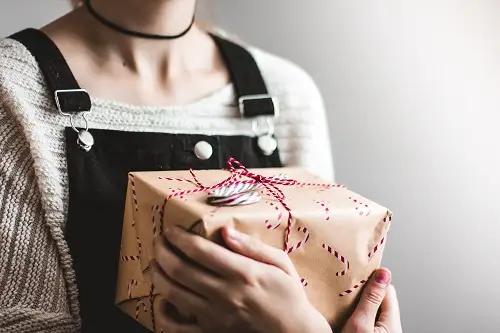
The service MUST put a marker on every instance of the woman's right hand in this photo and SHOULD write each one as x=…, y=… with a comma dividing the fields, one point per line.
x=378, y=294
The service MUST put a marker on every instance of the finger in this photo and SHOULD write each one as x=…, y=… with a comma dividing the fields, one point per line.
x=184, y=272
x=372, y=296
x=206, y=253
x=389, y=311
x=167, y=323
x=185, y=300
x=255, y=249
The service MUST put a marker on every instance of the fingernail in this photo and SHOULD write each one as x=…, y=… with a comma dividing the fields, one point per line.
x=233, y=234
x=383, y=277
x=171, y=230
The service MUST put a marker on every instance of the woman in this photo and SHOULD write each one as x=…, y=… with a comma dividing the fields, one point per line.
x=159, y=94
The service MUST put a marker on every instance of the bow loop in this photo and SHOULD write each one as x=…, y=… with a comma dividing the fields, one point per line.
x=251, y=184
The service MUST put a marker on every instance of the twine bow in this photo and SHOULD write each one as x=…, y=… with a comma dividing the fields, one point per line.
x=238, y=173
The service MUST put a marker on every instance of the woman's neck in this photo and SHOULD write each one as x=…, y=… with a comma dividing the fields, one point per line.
x=138, y=70
x=158, y=17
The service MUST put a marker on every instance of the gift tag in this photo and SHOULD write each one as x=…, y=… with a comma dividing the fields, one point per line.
x=85, y=140
x=238, y=199
x=267, y=144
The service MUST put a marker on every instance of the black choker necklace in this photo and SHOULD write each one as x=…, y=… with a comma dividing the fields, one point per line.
x=118, y=28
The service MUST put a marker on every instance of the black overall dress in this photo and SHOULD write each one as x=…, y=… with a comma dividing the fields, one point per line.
x=98, y=177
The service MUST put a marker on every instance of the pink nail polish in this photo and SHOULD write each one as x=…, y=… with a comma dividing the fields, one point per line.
x=382, y=276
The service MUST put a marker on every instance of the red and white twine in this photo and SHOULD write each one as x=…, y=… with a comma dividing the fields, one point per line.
x=242, y=176
x=237, y=188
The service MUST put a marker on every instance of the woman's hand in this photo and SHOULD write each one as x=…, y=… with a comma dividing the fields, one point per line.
x=251, y=288
x=378, y=295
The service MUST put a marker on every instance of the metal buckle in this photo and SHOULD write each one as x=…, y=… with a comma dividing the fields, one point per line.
x=58, y=104
x=243, y=99
x=71, y=115
x=267, y=129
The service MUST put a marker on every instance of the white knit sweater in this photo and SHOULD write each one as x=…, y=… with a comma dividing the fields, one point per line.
x=37, y=283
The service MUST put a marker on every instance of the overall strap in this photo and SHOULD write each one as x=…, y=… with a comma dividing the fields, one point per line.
x=68, y=95
x=250, y=88
x=253, y=97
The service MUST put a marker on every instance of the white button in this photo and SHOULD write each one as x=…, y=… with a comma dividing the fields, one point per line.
x=203, y=150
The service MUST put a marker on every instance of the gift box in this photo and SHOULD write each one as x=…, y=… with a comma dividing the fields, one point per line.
x=334, y=237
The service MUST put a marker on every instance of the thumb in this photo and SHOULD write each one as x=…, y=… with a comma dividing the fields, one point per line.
x=255, y=249
x=372, y=296
x=389, y=311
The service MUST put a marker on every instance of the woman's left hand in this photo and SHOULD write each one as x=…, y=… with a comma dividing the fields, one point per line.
x=253, y=288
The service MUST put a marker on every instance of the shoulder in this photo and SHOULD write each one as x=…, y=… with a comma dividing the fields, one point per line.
x=19, y=71
x=24, y=95
x=15, y=58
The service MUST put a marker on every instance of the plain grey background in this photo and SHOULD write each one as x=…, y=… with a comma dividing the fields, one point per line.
x=412, y=90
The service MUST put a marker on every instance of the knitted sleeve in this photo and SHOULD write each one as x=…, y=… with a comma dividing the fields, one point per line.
x=32, y=287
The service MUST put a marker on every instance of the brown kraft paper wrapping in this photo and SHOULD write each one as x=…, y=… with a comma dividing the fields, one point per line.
x=337, y=236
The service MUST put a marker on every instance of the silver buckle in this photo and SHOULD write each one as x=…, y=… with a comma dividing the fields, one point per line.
x=243, y=99
x=85, y=139
x=58, y=104
x=71, y=115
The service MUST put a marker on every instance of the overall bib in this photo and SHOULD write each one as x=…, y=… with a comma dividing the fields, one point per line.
x=98, y=174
